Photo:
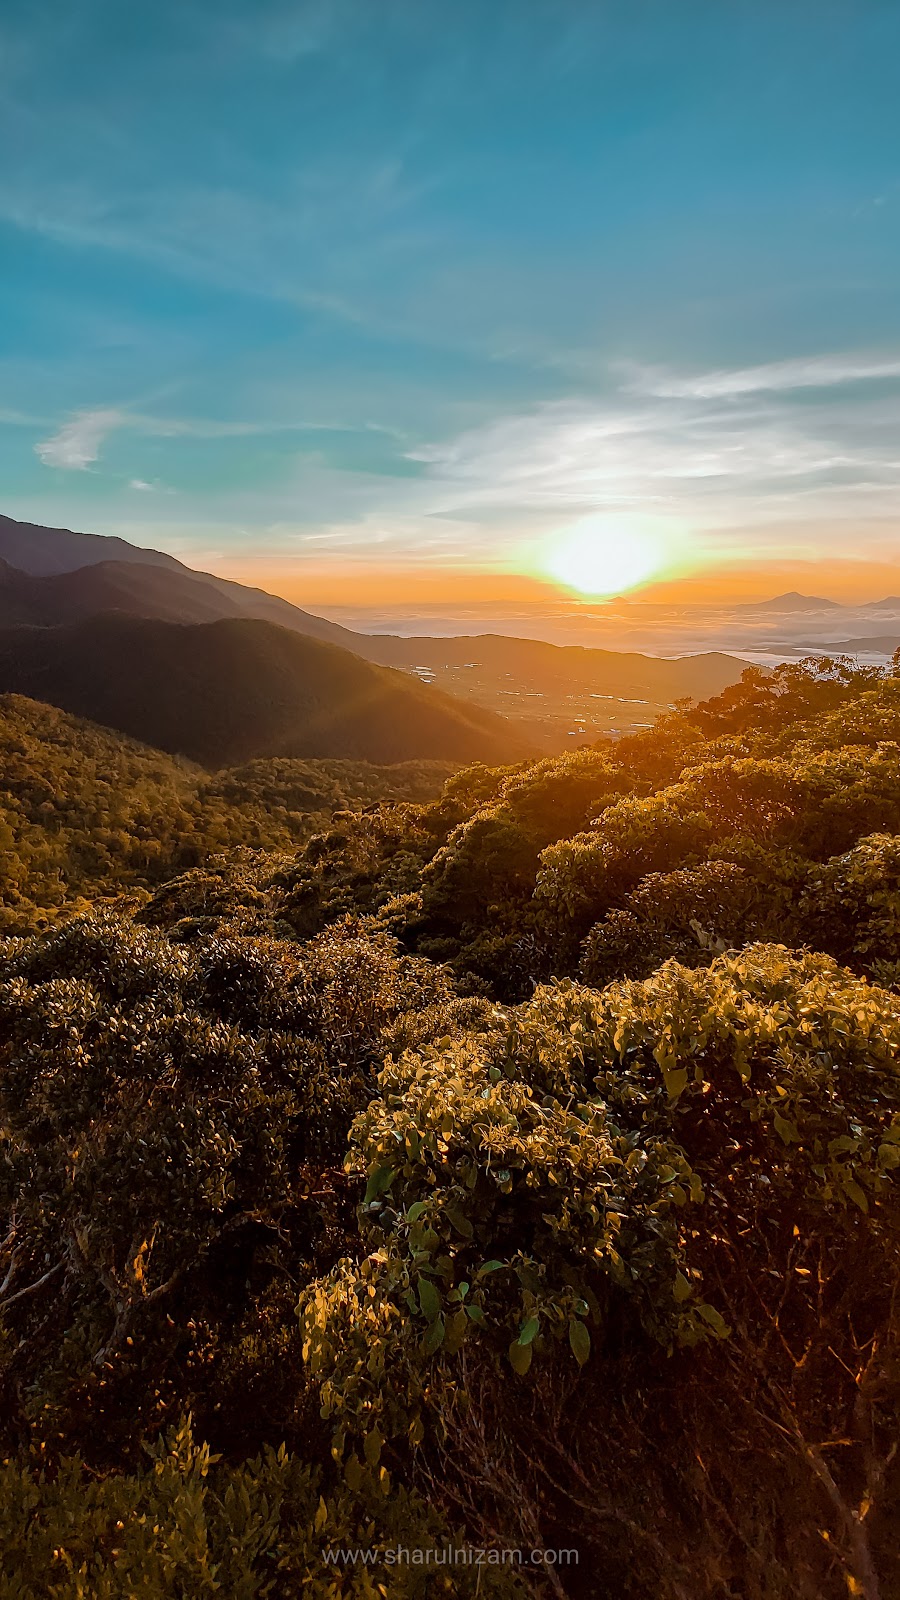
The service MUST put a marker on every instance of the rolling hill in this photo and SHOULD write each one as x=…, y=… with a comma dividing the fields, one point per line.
x=610, y=672
x=87, y=813
x=81, y=574
x=556, y=693
x=877, y=643
x=229, y=691
x=41, y=551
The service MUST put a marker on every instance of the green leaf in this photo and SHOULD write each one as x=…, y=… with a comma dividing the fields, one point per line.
x=434, y=1338
x=675, y=1082
x=520, y=1357
x=475, y=1313
x=528, y=1330
x=415, y=1210
x=787, y=1131
x=717, y=1322
x=460, y=1221
x=857, y=1195
x=456, y=1329
x=380, y=1180
x=579, y=1340
x=490, y=1266
x=429, y=1299
x=682, y=1289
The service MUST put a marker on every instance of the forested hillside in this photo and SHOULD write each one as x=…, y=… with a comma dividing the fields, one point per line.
x=50, y=577
x=86, y=814
x=514, y=1168
x=226, y=692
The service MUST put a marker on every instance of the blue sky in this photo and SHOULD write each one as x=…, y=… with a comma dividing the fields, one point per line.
x=425, y=283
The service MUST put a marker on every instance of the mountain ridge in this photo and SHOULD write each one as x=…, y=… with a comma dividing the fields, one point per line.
x=792, y=601
x=148, y=583
x=232, y=690
x=24, y=547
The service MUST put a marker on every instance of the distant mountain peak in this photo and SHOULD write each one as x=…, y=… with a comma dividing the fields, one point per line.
x=793, y=601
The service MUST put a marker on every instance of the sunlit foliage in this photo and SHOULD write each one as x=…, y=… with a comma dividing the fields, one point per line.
x=530, y=1153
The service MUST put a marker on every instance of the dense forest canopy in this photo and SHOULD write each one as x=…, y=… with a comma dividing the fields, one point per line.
x=503, y=1158
x=87, y=814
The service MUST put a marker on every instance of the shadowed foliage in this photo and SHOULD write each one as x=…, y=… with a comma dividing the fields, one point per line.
x=526, y=1152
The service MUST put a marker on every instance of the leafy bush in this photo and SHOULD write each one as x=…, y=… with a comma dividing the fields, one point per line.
x=610, y=1264
x=684, y=914
x=172, y=1118
x=187, y=1525
x=495, y=1210
x=851, y=906
x=664, y=1156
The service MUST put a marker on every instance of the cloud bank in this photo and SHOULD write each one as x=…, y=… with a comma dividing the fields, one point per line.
x=805, y=453
x=695, y=453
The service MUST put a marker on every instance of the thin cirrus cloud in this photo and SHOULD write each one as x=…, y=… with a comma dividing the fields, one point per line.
x=815, y=372
x=77, y=444
x=689, y=454
x=696, y=456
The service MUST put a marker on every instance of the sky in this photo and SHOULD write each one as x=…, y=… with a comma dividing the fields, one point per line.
x=411, y=297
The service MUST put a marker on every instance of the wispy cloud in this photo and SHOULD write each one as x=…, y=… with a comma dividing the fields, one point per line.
x=19, y=419
x=815, y=372
x=698, y=460
x=78, y=443
x=693, y=458
x=226, y=428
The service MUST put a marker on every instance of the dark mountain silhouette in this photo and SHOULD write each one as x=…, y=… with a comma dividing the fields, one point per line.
x=877, y=643
x=532, y=661
x=228, y=691
x=32, y=548
x=131, y=587
x=792, y=601
x=107, y=573
x=63, y=576
x=148, y=590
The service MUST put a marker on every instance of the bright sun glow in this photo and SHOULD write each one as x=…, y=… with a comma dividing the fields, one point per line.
x=598, y=559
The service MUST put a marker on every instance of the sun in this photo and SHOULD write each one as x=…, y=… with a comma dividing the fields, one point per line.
x=599, y=559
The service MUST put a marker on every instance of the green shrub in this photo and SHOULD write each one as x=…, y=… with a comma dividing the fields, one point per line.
x=186, y=1525
x=174, y=1118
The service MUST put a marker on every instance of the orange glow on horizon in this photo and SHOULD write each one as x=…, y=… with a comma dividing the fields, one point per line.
x=354, y=585
x=847, y=582
x=853, y=582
